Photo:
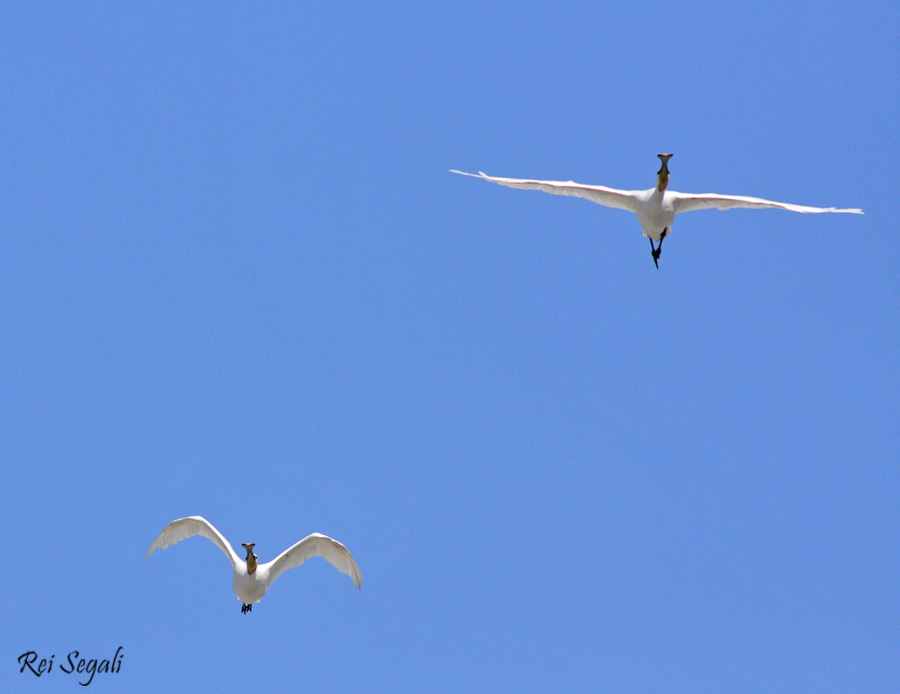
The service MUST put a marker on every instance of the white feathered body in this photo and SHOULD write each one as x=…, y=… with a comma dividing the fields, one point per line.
x=655, y=211
x=250, y=588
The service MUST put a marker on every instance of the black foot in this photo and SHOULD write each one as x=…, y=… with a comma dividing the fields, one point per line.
x=655, y=253
x=658, y=249
x=246, y=608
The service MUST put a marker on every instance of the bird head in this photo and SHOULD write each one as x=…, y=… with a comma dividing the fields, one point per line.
x=663, y=173
x=251, y=557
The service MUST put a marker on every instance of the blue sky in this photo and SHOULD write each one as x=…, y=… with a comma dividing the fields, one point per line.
x=239, y=281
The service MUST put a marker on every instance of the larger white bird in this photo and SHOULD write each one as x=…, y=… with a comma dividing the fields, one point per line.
x=252, y=580
x=656, y=208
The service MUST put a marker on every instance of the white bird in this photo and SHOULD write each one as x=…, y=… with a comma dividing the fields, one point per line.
x=656, y=208
x=252, y=580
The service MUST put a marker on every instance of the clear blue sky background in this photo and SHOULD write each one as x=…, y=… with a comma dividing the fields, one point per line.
x=238, y=281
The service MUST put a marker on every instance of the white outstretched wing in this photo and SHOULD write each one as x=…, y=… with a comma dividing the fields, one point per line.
x=610, y=197
x=183, y=528
x=316, y=545
x=687, y=202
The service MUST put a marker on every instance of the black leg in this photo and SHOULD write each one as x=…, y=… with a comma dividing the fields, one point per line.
x=658, y=250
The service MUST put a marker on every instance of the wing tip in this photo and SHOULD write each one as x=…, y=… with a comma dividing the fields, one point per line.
x=480, y=174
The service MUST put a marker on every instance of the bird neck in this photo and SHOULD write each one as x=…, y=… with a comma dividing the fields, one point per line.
x=251, y=559
x=662, y=179
x=662, y=176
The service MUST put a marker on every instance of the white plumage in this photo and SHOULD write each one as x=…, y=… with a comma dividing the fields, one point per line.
x=252, y=580
x=655, y=208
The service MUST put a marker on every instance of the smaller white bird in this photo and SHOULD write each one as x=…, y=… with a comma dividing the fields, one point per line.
x=252, y=580
x=655, y=208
